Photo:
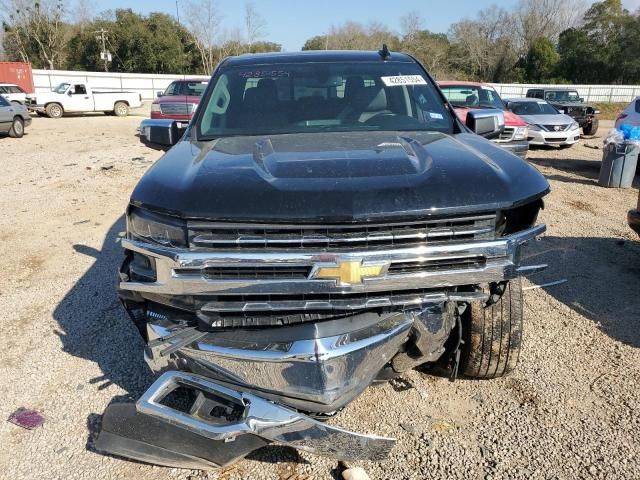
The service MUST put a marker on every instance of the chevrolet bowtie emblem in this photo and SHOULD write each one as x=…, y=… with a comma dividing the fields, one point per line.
x=348, y=272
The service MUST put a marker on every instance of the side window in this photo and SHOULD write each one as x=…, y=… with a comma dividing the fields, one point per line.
x=79, y=90
x=14, y=89
x=3, y=89
x=171, y=89
x=638, y=105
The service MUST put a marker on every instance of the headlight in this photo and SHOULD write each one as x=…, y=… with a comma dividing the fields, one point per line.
x=155, y=107
x=150, y=227
x=534, y=127
x=596, y=112
x=574, y=125
x=521, y=133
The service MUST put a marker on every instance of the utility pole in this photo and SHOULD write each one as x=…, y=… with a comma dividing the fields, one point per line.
x=104, y=54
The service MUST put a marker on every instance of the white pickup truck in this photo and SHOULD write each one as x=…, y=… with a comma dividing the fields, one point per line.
x=78, y=97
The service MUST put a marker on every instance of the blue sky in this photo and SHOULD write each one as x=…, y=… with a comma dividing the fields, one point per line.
x=291, y=22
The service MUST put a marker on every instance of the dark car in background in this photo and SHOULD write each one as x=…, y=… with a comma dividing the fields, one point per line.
x=568, y=101
x=633, y=217
x=465, y=96
x=179, y=100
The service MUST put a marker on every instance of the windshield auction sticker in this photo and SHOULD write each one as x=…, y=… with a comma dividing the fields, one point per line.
x=401, y=80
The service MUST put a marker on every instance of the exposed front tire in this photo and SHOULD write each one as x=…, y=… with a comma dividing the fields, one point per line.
x=121, y=109
x=17, y=128
x=54, y=110
x=493, y=333
x=593, y=128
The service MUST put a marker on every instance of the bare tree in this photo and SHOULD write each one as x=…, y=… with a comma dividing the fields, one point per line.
x=82, y=13
x=254, y=23
x=411, y=24
x=545, y=18
x=203, y=21
x=35, y=30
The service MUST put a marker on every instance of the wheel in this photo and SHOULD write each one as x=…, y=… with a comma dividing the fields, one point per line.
x=17, y=128
x=593, y=128
x=121, y=109
x=492, y=333
x=54, y=110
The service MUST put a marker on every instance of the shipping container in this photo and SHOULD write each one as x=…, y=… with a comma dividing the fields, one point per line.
x=17, y=73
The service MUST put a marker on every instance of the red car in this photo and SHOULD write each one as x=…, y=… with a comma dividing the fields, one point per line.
x=179, y=100
x=465, y=96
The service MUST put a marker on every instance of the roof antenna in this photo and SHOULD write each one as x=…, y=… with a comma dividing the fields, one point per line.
x=384, y=53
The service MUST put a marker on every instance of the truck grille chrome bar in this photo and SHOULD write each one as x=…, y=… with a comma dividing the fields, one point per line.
x=338, y=304
x=204, y=235
x=437, y=266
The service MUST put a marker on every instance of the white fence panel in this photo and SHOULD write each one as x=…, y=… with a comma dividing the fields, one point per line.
x=148, y=85
x=590, y=93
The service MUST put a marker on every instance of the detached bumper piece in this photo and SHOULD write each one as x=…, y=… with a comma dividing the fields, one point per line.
x=188, y=421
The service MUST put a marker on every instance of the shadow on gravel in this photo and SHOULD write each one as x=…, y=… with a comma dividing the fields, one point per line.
x=94, y=326
x=587, y=170
x=603, y=278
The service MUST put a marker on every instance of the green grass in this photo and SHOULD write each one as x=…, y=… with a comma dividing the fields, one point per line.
x=609, y=111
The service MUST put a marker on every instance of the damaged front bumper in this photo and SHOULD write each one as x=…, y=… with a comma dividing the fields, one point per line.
x=215, y=426
x=263, y=375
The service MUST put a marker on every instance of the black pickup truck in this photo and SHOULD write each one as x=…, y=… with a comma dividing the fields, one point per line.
x=567, y=101
x=326, y=221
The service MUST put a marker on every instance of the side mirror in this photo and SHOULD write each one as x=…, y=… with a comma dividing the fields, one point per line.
x=159, y=94
x=487, y=123
x=160, y=133
x=69, y=93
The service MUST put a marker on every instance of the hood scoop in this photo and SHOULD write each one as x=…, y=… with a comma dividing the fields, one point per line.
x=402, y=155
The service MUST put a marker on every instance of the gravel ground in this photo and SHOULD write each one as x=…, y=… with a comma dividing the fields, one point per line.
x=68, y=350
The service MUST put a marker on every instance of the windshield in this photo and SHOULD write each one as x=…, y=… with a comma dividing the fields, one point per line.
x=61, y=88
x=533, y=108
x=472, y=97
x=194, y=89
x=562, y=96
x=311, y=97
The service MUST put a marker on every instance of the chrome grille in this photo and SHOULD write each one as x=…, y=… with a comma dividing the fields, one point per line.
x=507, y=134
x=176, y=108
x=289, y=272
x=562, y=128
x=345, y=236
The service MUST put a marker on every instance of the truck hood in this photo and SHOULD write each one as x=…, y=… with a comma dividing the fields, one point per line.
x=510, y=118
x=41, y=97
x=336, y=176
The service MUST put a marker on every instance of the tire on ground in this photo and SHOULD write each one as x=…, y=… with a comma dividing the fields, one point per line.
x=593, y=128
x=54, y=110
x=121, y=109
x=17, y=128
x=493, y=334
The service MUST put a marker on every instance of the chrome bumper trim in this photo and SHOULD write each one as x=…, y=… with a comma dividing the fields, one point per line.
x=342, y=304
x=311, y=374
x=259, y=417
x=502, y=263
